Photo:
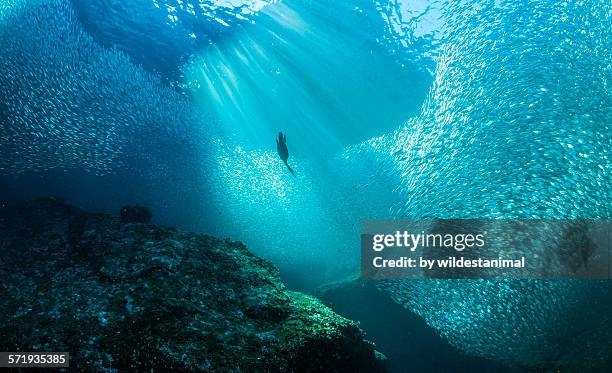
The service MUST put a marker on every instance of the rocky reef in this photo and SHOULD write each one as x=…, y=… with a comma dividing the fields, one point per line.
x=124, y=296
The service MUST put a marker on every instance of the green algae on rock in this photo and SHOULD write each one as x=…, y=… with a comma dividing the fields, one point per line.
x=138, y=296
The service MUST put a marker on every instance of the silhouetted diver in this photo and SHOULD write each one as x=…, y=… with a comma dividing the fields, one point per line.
x=283, y=152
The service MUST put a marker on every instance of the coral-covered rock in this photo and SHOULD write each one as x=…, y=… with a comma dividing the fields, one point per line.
x=138, y=297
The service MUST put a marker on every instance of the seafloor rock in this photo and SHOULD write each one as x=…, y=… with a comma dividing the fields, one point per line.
x=139, y=297
x=135, y=214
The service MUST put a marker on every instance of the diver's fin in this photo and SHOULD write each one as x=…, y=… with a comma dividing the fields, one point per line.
x=290, y=169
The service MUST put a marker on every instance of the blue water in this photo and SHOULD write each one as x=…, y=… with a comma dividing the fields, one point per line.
x=392, y=109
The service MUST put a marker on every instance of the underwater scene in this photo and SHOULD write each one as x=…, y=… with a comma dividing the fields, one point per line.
x=184, y=183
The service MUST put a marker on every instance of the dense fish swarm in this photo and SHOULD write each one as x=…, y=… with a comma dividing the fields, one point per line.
x=66, y=102
x=517, y=125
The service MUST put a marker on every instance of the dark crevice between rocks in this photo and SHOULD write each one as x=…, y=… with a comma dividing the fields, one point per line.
x=409, y=344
